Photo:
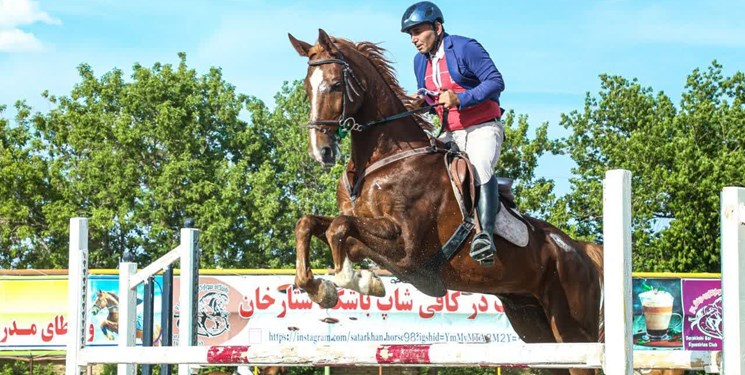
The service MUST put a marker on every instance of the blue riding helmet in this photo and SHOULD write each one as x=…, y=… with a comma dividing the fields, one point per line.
x=421, y=12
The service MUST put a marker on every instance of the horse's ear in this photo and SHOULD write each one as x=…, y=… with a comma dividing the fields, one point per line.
x=325, y=41
x=300, y=46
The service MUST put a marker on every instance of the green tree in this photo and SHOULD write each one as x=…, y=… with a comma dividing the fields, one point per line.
x=305, y=187
x=681, y=157
x=519, y=159
x=25, y=191
x=139, y=157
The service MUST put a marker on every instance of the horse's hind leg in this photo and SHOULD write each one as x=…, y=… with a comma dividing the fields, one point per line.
x=564, y=318
x=529, y=321
x=320, y=291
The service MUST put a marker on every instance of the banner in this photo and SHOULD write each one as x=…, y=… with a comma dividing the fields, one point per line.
x=242, y=310
x=255, y=309
x=33, y=313
x=677, y=314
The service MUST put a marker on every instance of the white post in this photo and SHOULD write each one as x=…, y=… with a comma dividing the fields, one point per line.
x=127, y=313
x=77, y=276
x=188, y=287
x=617, y=272
x=733, y=284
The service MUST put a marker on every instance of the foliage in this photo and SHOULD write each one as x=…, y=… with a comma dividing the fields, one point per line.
x=18, y=367
x=519, y=159
x=25, y=192
x=680, y=157
x=138, y=158
x=140, y=155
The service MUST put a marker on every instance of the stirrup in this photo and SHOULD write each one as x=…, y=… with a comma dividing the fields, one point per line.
x=483, y=254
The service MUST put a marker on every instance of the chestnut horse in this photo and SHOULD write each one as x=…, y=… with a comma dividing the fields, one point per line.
x=110, y=301
x=405, y=210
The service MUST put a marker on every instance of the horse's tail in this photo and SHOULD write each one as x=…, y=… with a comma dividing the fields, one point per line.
x=595, y=253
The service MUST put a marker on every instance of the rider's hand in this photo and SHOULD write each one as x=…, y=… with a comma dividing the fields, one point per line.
x=449, y=98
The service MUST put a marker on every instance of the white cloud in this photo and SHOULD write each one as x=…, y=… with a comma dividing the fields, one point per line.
x=15, y=13
x=15, y=40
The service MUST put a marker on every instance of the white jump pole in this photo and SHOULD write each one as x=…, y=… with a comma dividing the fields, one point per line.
x=188, y=286
x=127, y=313
x=77, y=355
x=617, y=272
x=77, y=294
x=732, y=258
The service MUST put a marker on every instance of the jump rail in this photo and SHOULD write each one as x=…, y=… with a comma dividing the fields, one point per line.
x=188, y=254
x=616, y=356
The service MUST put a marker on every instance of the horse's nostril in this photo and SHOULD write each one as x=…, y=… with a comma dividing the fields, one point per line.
x=326, y=153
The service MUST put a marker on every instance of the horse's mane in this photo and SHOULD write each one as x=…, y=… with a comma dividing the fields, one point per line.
x=376, y=56
x=110, y=294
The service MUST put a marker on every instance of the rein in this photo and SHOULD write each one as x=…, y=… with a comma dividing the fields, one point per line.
x=347, y=123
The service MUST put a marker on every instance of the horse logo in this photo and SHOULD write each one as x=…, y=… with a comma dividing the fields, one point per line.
x=109, y=301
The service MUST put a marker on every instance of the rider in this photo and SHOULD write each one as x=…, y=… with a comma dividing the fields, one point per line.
x=462, y=77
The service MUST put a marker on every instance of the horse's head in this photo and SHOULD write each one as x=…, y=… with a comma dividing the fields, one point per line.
x=335, y=94
x=104, y=300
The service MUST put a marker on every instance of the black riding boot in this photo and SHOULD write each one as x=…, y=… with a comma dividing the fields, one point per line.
x=482, y=245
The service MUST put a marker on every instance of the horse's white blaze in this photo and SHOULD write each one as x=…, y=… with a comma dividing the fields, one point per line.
x=316, y=81
x=316, y=85
x=314, y=146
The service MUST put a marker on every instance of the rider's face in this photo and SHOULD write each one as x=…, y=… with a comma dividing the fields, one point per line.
x=424, y=36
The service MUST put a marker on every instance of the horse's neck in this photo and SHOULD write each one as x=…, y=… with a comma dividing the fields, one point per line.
x=384, y=139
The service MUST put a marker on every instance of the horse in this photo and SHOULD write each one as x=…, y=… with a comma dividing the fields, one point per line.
x=110, y=301
x=397, y=208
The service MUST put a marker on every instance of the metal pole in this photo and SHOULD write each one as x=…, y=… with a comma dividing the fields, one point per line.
x=166, y=315
x=77, y=293
x=148, y=321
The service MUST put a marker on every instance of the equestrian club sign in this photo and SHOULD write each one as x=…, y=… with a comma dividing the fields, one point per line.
x=669, y=313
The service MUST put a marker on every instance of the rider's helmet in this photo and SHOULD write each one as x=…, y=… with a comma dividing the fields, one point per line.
x=421, y=12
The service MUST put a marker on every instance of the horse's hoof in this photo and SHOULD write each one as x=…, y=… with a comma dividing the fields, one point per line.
x=327, y=296
x=376, y=288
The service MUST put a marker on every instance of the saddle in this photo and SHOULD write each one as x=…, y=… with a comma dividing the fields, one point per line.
x=460, y=172
x=462, y=179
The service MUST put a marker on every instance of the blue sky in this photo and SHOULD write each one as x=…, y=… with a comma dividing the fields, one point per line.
x=550, y=52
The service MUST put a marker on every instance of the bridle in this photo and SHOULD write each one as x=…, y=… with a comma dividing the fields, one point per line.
x=347, y=123
x=344, y=122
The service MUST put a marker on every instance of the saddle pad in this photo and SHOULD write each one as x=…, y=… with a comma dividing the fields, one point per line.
x=511, y=228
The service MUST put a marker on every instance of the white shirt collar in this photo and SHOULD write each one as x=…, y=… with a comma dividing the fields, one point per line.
x=440, y=53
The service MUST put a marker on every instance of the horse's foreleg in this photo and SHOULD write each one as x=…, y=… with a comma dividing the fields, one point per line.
x=363, y=281
x=352, y=238
x=319, y=291
x=109, y=326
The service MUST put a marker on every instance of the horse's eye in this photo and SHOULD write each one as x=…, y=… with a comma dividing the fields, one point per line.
x=336, y=86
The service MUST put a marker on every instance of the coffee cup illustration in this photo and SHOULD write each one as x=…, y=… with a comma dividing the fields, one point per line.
x=657, y=306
